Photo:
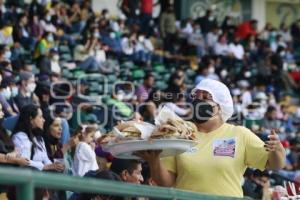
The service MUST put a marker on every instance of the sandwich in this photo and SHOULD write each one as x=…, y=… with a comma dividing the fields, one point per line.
x=175, y=129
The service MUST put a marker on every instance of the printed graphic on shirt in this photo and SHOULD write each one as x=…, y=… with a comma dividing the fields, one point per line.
x=224, y=147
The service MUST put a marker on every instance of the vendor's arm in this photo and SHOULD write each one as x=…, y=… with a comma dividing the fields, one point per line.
x=276, y=158
x=160, y=174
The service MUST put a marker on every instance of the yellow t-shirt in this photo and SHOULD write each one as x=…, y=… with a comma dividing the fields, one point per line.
x=216, y=165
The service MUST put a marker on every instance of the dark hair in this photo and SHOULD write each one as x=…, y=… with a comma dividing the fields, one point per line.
x=51, y=140
x=27, y=113
x=119, y=165
x=147, y=76
x=8, y=145
x=106, y=174
x=48, y=122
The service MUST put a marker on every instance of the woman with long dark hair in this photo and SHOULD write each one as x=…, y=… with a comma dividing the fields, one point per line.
x=53, y=131
x=28, y=140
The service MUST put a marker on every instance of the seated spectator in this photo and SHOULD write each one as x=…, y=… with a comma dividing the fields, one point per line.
x=8, y=153
x=129, y=170
x=212, y=38
x=106, y=175
x=26, y=94
x=221, y=48
x=53, y=131
x=43, y=46
x=179, y=105
x=6, y=35
x=28, y=140
x=271, y=122
x=246, y=28
x=236, y=49
x=6, y=97
x=144, y=90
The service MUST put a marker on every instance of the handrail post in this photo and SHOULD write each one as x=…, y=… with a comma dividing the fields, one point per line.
x=25, y=191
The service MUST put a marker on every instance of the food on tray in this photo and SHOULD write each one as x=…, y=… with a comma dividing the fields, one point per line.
x=131, y=132
x=104, y=139
x=175, y=129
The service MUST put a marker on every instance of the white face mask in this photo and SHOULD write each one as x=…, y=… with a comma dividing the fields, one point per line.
x=50, y=38
x=31, y=87
x=198, y=31
x=7, y=55
x=14, y=91
x=211, y=70
x=224, y=73
x=112, y=35
x=247, y=74
x=282, y=53
x=96, y=35
x=48, y=18
x=56, y=57
x=141, y=38
x=211, y=18
x=6, y=93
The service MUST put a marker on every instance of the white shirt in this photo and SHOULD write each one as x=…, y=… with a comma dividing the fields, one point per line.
x=23, y=146
x=55, y=67
x=237, y=51
x=127, y=47
x=221, y=49
x=84, y=159
x=211, y=39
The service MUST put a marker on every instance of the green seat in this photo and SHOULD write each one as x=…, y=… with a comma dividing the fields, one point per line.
x=159, y=68
x=64, y=49
x=112, y=78
x=161, y=85
x=79, y=73
x=121, y=106
x=65, y=57
x=138, y=74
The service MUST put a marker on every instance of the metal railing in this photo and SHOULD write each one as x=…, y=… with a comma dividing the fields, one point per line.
x=26, y=180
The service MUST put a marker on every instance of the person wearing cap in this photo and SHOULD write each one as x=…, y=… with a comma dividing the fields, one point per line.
x=27, y=87
x=217, y=164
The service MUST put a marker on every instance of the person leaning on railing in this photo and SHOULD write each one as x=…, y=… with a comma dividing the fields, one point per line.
x=216, y=165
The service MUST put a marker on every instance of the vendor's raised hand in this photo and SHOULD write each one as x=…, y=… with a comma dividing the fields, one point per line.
x=273, y=144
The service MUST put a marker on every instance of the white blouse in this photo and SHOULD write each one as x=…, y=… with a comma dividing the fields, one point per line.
x=84, y=159
x=23, y=146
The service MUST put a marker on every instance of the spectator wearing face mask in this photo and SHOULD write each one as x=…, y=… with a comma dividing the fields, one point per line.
x=43, y=46
x=26, y=94
x=6, y=97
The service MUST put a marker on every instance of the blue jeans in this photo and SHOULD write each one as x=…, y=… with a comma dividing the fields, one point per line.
x=89, y=64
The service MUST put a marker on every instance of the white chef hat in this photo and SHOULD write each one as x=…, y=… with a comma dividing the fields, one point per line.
x=220, y=95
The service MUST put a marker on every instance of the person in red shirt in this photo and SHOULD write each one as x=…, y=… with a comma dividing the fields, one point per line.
x=146, y=15
x=246, y=29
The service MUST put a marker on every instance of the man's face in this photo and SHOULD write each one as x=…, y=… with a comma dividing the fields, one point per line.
x=150, y=82
x=135, y=177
